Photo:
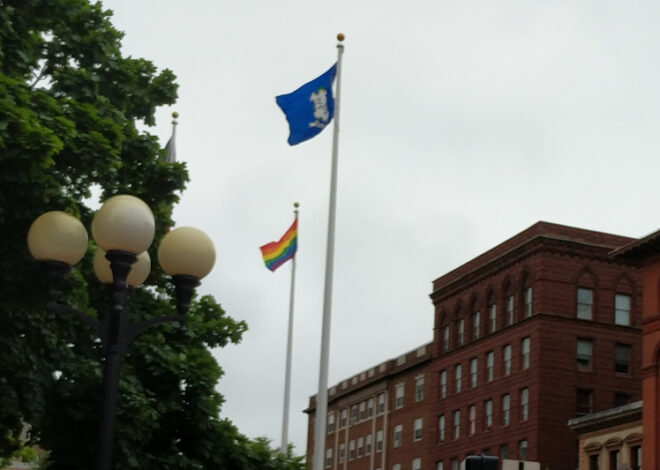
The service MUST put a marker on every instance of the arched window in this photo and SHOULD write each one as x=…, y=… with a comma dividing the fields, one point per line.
x=623, y=301
x=586, y=295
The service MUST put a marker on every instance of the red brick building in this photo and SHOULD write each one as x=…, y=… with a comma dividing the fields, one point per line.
x=540, y=329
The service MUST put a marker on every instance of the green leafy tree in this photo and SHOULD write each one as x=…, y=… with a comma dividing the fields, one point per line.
x=70, y=106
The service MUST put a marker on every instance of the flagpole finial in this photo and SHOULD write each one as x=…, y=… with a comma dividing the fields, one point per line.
x=296, y=204
x=175, y=115
x=340, y=37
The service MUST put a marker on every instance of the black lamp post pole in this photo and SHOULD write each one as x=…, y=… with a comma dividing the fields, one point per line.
x=116, y=333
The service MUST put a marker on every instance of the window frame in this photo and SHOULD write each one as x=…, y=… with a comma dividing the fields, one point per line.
x=476, y=325
x=458, y=378
x=442, y=427
x=584, y=309
x=397, y=436
x=443, y=383
x=585, y=363
x=524, y=404
x=418, y=424
x=488, y=413
x=618, y=348
x=525, y=352
x=419, y=389
x=628, y=311
x=506, y=360
x=398, y=397
x=506, y=409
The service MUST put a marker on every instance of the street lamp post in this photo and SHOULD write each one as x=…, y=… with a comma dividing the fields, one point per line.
x=123, y=228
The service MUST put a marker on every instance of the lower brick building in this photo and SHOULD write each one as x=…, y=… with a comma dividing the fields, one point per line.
x=542, y=328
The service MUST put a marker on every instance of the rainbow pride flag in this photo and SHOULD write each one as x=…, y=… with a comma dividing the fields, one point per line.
x=277, y=253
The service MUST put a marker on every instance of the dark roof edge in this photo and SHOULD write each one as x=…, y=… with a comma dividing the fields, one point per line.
x=630, y=410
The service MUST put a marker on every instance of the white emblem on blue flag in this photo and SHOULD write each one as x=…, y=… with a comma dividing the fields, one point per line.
x=321, y=113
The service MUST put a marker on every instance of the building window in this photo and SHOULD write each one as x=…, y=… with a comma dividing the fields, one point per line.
x=354, y=414
x=461, y=332
x=458, y=375
x=584, y=402
x=488, y=413
x=492, y=316
x=363, y=410
x=342, y=419
x=417, y=429
x=476, y=325
x=441, y=427
x=342, y=452
x=417, y=463
x=381, y=403
x=457, y=424
x=370, y=407
x=396, y=466
x=584, y=354
x=509, y=310
x=522, y=449
x=379, y=441
x=585, y=301
x=524, y=404
x=524, y=352
x=622, y=358
x=614, y=459
x=622, y=309
x=360, y=447
x=506, y=358
x=472, y=417
x=367, y=448
x=504, y=451
x=331, y=422
x=473, y=372
x=351, y=450
x=454, y=463
x=419, y=388
x=328, y=458
x=636, y=457
x=528, y=302
x=398, y=435
x=621, y=399
x=439, y=465
x=490, y=366
x=445, y=339
x=506, y=409
x=593, y=461
x=398, y=396
x=443, y=383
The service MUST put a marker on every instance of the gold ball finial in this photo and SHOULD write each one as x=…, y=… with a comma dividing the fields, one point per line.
x=296, y=204
x=340, y=37
x=175, y=115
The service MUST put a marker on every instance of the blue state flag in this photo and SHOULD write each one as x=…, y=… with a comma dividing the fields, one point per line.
x=310, y=108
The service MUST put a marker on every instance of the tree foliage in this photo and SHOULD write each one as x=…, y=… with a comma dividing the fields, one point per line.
x=70, y=107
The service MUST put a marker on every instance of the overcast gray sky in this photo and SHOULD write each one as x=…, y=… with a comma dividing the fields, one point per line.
x=463, y=123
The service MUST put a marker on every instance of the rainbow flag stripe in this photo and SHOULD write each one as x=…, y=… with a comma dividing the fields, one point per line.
x=277, y=253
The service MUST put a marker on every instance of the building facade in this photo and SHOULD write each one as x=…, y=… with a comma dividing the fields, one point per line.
x=538, y=330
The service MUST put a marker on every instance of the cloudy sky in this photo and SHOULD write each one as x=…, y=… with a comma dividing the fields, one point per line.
x=463, y=123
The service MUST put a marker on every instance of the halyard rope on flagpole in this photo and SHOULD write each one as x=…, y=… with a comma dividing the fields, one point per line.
x=322, y=395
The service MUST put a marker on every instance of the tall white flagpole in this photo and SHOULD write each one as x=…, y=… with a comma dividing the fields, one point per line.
x=322, y=395
x=287, y=375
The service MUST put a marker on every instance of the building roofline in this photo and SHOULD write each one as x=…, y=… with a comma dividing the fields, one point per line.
x=639, y=249
x=387, y=368
x=604, y=418
x=539, y=230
